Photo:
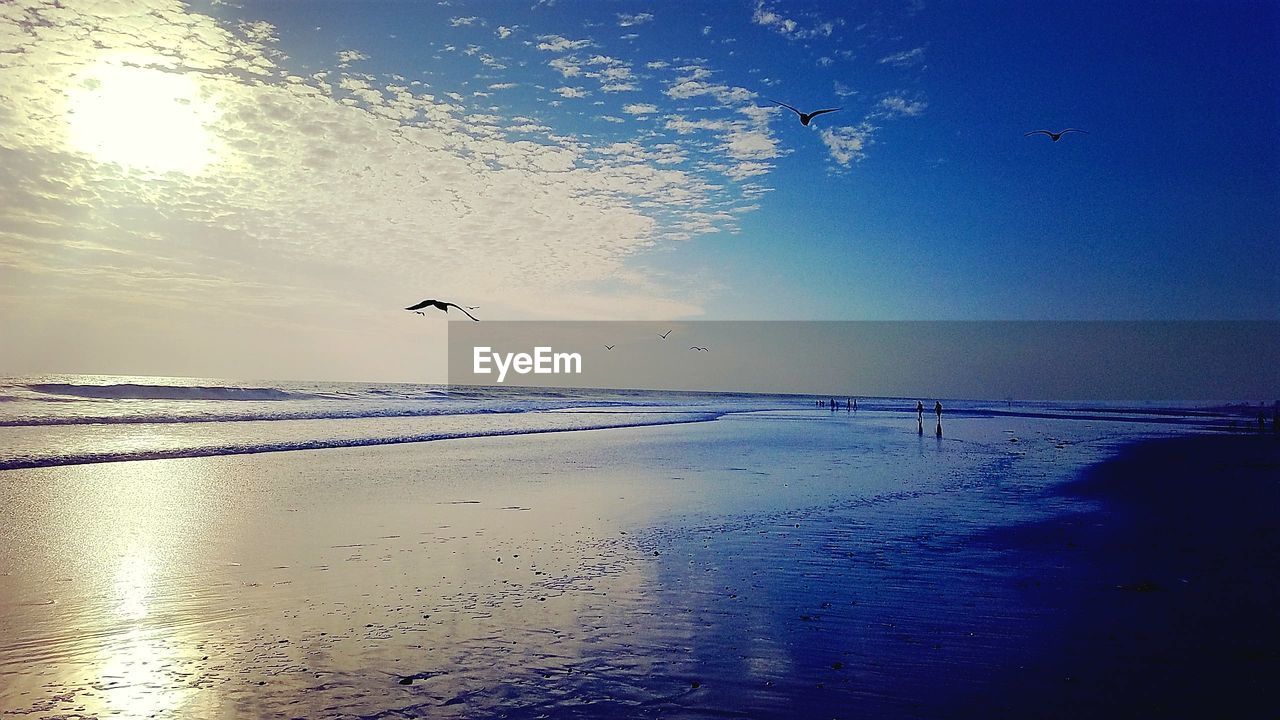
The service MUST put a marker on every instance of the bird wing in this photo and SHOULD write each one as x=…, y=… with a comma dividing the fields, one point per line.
x=609, y=347
x=775, y=102
x=460, y=309
x=1064, y=132
x=1038, y=132
x=420, y=305
x=815, y=113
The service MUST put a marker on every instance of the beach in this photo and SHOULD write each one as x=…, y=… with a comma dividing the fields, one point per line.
x=774, y=563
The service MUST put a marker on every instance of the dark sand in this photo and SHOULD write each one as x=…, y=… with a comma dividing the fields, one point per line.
x=1166, y=599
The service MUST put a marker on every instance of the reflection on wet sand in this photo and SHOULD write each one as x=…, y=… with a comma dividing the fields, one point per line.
x=585, y=573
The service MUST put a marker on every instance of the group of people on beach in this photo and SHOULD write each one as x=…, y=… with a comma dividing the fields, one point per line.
x=851, y=404
x=937, y=409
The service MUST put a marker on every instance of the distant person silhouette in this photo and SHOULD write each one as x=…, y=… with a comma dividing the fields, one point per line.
x=937, y=408
x=920, y=416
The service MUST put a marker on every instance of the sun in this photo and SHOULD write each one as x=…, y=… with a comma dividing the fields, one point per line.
x=128, y=112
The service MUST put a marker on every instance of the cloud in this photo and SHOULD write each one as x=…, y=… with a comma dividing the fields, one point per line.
x=906, y=58
x=571, y=92
x=640, y=109
x=346, y=57
x=790, y=28
x=503, y=86
x=744, y=136
x=556, y=43
x=503, y=32
x=625, y=20
x=317, y=203
x=614, y=75
x=465, y=21
x=847, y=144
x=897, y=105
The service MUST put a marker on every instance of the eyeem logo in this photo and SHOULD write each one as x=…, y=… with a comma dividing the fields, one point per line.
x=542, y=362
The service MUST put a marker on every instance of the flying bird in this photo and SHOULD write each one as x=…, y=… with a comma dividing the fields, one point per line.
x=665, y=334
x=1055, y=136
x=695, y=347
x=610, y=347
x=442, y=306
x=804, y=117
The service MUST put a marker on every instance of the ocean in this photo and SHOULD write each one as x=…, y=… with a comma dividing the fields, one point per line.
x=73, y=419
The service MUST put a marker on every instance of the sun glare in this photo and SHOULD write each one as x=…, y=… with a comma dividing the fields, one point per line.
x=126, y=112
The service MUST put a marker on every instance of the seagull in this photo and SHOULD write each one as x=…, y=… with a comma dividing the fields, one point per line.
x=804, y=117
x=443, y=306
x=695, y=347
x=665, y=334
x=1055, y=136
x=610, y=347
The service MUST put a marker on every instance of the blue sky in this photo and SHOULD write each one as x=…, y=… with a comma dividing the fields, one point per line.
x=307, y=164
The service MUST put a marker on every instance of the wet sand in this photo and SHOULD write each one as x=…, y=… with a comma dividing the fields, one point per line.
x=1167, y=593
x=765, y=565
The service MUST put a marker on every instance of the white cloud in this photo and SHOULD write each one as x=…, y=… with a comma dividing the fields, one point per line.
x=503, y=32
x=790, y=28
x=346, y=57
x=847, y=144
x=625, y=20
x=571, y=92
x=465, y=21
x=897, y=105
x=503, y=86
x=556, y=43
x=906, y=58
x=639, y=109
x=318, y=204
x=613, y=74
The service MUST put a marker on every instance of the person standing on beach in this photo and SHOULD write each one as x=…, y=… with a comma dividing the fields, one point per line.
x=937, y=408
x=920, y=417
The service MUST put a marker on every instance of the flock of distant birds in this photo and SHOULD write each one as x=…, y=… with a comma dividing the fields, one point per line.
x=805, y=119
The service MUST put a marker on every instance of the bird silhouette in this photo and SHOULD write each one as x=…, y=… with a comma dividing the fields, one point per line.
x=1055, y=136
x=665, y=334
x=442, y=306
x=695, y=347
x=804, y=117
x=610, y=347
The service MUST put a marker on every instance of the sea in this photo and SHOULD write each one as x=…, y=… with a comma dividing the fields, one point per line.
x=51, y=420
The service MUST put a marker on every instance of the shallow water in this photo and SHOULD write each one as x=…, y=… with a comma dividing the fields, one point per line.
x=766, y=564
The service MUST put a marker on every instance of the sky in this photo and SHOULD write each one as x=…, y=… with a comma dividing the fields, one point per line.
x=255, y=190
